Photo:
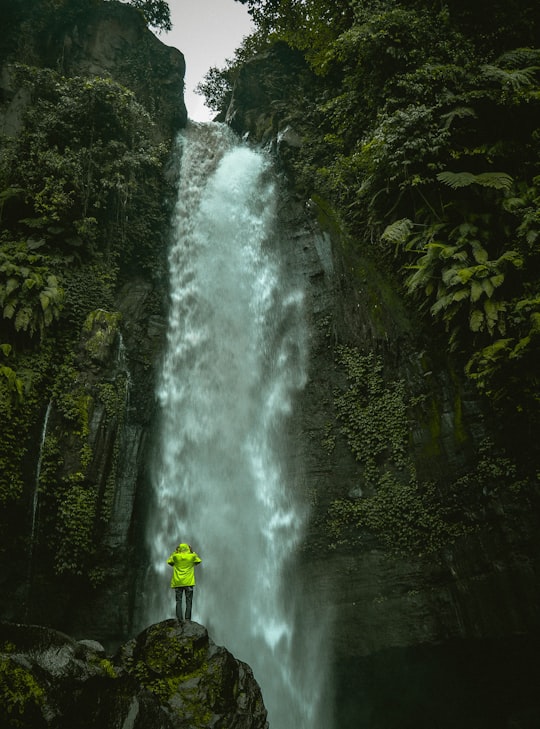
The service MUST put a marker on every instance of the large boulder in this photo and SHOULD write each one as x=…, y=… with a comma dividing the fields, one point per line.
x=171, y=675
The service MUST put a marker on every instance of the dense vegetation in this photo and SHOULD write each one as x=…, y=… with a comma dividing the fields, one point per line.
x=83, y=205
x=421, y=126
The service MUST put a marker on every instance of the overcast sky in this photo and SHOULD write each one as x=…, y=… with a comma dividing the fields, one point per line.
x=207, y=32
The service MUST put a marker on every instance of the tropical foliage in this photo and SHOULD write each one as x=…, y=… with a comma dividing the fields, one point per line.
x=422, y=130
x=84, y=204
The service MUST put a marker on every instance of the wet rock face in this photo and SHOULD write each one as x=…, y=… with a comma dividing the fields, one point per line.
x=169, y=676
x=399, y=621
x=110, y=41
x=116, y=42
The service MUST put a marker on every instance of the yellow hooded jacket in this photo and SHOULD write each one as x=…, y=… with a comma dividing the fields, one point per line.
x=183, y=562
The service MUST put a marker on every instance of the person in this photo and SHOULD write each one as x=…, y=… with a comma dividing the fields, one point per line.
x=183, y=561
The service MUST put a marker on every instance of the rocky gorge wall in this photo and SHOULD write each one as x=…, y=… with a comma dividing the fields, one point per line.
x=92, y=428
x=431, y=579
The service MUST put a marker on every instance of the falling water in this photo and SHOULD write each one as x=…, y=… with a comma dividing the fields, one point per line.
x=34, y=511
x=236, y=358
x=35, y=497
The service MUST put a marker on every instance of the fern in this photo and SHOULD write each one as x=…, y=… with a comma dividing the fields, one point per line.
x=495, y=180
x=397, y=232
x=516, y=79
x=456, y=180
x=518, y=57
x=460, y=112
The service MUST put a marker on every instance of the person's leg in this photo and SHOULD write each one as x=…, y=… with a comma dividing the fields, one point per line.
x=189, y=600
x=178, y=591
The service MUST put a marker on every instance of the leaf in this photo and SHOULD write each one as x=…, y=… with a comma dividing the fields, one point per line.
x=488, y=287
x=476, y=290
x=29, y=283
x=476, y=320
x=44, y=300
x=479, y=252
x=460, y=112
x=461, y=294
x=535, y=322
x=398, y=231
x=492, y=309
x=513, y=257
x=441, y=303
x=465, y=274
x=456, y=180
x=23, y=319
x=520, y=346
x=11, y=285
x=10, y=192
x=514, y=78
x=6, y=349
x=450, y=276
x=33, y=243
x=496, y=180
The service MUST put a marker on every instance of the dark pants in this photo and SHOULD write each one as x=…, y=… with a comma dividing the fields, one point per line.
x=189, y=600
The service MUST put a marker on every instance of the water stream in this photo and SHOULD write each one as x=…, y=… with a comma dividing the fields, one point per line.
x=224, y=475
x=34, y=514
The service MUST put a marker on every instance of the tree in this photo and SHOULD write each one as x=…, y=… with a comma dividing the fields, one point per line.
x=156, y=13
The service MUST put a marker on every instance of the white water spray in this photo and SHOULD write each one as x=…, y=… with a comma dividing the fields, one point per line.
x=236, y=358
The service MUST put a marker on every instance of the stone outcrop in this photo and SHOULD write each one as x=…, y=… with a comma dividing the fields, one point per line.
x=115, y=42
x=109, y=41
x=172, y=675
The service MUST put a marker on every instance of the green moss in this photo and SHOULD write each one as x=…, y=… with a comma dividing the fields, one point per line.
x=101, y=329
x=108, y=668
x=76, y=516
x=433, y=446
x=407, y=518
x=21, y=696
x=327, y=216
x=373, y=414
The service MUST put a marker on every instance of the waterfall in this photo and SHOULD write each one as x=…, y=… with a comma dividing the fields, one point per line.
x=224, y=479
x=35, y=497
x=34, y=511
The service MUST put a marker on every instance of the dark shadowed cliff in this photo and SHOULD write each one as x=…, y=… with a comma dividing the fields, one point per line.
x=424, y=496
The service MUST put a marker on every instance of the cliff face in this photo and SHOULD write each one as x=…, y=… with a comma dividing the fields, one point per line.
x=432, y=579
x=70, y=526
x=110, y=40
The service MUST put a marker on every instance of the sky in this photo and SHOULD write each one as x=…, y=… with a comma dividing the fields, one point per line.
x=207, y=32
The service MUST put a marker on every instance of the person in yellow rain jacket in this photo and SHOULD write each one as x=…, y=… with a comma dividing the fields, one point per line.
x=183, y=562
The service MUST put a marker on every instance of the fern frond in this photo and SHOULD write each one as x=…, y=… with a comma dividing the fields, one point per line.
x=518, y=57
x=460, y=112
x=517, y=78
x=456, y=180
x=476, y=320
x=397, y=232
x=496, y=180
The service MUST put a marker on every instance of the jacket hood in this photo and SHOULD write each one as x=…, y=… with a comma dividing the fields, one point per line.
x=183, y=547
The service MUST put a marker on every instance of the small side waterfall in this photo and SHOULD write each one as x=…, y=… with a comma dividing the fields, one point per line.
x=35, y=509
x=224, y=480
x=35, y=497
